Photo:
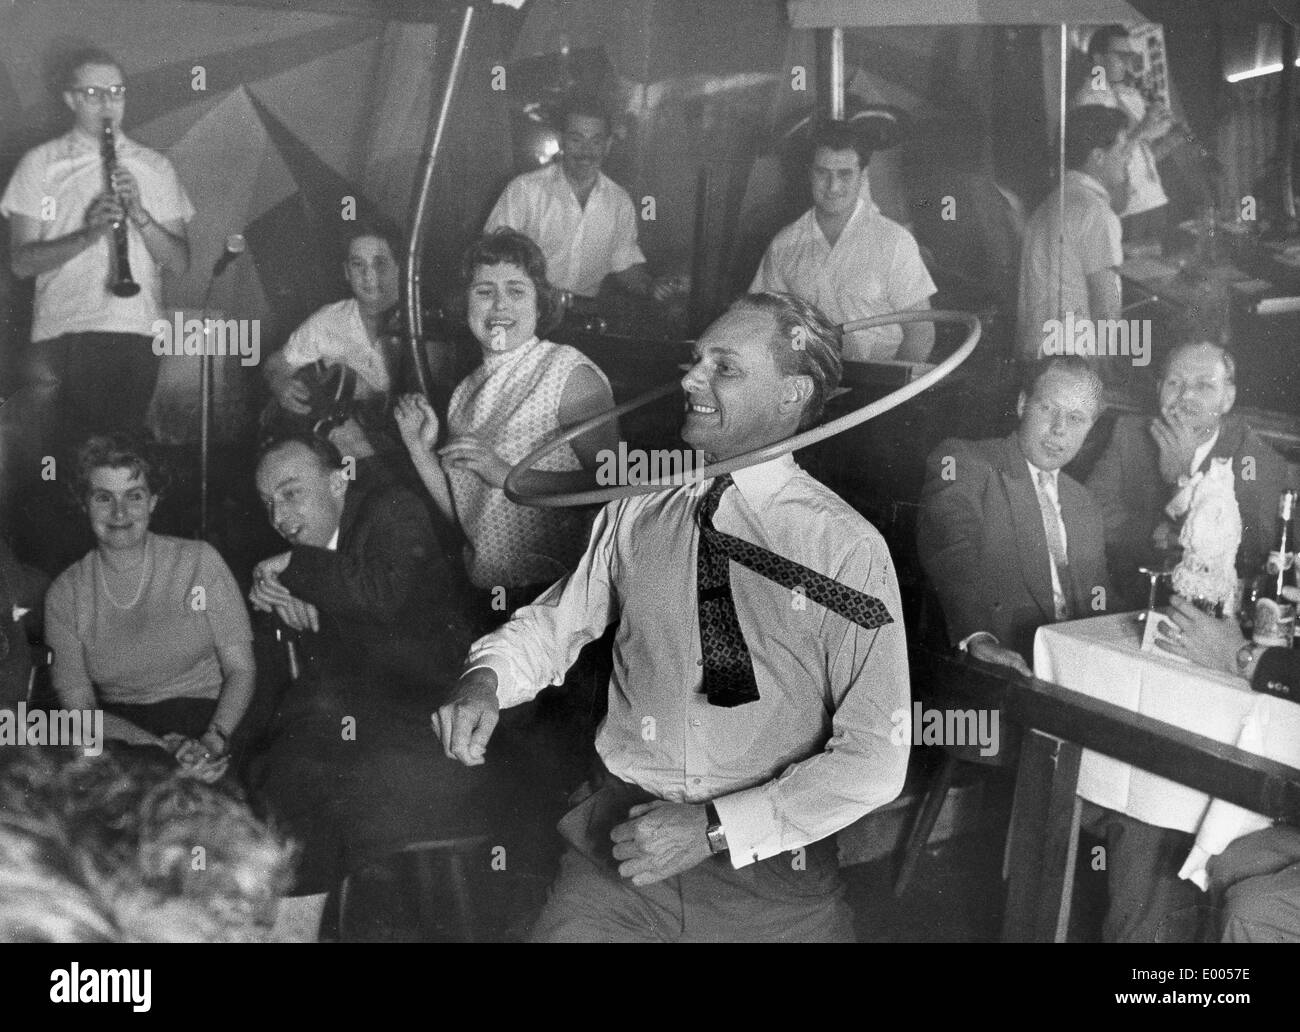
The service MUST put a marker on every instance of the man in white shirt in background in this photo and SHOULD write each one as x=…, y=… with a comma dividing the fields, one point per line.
x=1115, y=64
x=584, y=222
x=1082, y=280
x=749, y=717
x=848, y=259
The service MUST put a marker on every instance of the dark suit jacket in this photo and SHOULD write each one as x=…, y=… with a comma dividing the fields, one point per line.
x=387, y=597
x=1278, y=673
x=981, y=540
x=1127, y=485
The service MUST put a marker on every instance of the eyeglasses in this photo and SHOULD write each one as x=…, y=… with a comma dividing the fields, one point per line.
x=94, y=93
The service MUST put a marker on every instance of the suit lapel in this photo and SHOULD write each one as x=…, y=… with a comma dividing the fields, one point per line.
x=1027, y=521
x=1082, y=543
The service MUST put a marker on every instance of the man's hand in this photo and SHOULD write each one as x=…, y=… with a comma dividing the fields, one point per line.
x=104, y=212
x=299, y=615
x=473, y=454
x=1155, y=123
x=271, y=568
x=1204, y=639
x=351, y=440
x=660, y=840
x=291, y=393
x=665, y=288
x=1177, y=440
x=989, y=651
x=417, y=422
x=466, y=722
x=128, y=193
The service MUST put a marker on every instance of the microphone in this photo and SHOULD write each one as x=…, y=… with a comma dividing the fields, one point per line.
x=235, y=246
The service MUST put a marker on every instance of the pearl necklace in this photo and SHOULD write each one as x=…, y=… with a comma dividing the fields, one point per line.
x=139, y=588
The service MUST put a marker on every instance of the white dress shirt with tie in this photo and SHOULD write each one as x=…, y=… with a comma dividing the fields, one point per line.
x=822, y=745
x=1044, y=482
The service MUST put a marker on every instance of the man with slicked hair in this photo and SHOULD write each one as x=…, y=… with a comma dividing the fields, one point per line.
x=759, y=670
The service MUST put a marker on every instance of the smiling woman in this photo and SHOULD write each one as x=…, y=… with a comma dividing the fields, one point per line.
x=525, y=390
x=151, y=629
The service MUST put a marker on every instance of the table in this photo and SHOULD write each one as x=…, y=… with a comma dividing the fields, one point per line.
x=1101, y=658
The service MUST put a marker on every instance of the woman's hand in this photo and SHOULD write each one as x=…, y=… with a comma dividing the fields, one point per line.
x=473, y=454
x=195, y=759
x=417, y=422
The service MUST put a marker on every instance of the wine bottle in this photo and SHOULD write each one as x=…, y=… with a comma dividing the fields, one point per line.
x=1274, y=613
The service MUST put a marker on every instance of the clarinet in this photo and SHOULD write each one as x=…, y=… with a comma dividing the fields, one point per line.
x=122, y=285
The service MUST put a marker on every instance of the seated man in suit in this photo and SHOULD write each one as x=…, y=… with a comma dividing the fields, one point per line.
x=1007, y=540
x=351, y=767
x=1011, y=543
x=1148, y=462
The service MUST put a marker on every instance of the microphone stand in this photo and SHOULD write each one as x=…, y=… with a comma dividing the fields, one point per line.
x=205, y=410
x=205, y=389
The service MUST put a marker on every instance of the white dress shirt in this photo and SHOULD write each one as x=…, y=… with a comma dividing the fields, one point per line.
x=582, y=245
x=820, y=747
x=875, y=267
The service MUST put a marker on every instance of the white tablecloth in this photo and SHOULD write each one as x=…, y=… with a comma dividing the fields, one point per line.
x=1101, y=658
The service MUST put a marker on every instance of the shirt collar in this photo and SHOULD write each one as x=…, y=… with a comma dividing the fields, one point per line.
x=333, y=544
x=1087, y=182
x=561, y=181
x=1198, y=457
x=759, y=483
x=1034, y=471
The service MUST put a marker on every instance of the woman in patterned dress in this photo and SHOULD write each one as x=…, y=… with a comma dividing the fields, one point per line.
x=525, y=389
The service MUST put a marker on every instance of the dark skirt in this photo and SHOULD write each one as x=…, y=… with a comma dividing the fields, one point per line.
x=189, y=717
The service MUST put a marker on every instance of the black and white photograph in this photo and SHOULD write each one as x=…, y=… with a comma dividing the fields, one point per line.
x=678, y=471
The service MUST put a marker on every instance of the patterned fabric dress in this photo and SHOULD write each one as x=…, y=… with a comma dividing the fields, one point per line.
x=512, y=402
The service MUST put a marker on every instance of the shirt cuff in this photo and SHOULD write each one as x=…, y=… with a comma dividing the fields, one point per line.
x=964, y=644
x=752, y=827
x=499, y=665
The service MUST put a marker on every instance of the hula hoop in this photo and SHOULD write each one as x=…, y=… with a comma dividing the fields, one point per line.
x=751, y=458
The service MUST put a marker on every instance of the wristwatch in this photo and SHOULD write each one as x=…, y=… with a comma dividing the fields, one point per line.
x=717, y=837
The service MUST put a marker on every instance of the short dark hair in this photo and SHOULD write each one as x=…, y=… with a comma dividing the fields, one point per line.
x=805, y=343
x=508, y=246
x=373, y=226
x=1101, y=39
x=135, y=452
x=837, y=135
x=79, y=58
x=1089, y=127
x=586, y=105
x=327, y=455
x=1074, y=365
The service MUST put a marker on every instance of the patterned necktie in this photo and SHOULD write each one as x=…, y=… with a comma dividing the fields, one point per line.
x=728, y=668
x=1055, y=543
